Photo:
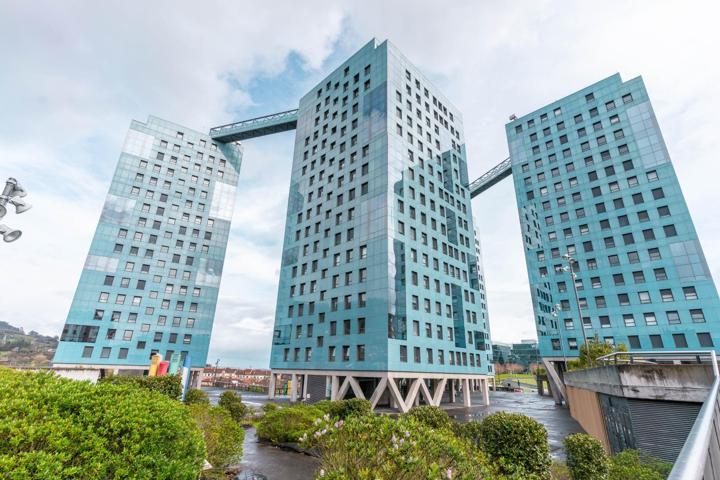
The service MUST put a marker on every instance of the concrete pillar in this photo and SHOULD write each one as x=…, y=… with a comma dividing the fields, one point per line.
x=271, y=386
x=335, y=387
x=485, y=385
x=466, y=392
x=452, y=391
x=305, y=385
x=293, y=387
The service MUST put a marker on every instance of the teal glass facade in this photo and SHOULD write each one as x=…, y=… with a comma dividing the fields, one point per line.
x=151, y=278
x=379, y=269
x=593, y=178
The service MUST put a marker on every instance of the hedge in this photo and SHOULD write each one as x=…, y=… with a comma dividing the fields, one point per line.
x=169, y=385
x=53, y=428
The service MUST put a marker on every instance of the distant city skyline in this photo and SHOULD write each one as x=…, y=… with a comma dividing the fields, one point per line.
x=72, y=87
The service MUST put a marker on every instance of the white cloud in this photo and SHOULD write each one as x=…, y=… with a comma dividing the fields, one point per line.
x=75, y=73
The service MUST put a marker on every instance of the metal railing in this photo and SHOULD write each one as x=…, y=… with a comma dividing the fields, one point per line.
x=699, y=458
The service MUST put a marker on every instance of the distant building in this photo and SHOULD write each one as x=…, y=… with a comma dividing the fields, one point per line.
x=241, y=378
x=526, y=352
x=502, y=353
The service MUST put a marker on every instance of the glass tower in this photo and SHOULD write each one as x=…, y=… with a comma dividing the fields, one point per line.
x=380, y=274
x=594, y=180
x=151, y=278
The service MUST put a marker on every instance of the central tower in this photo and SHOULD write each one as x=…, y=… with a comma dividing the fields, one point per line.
x=381, y=291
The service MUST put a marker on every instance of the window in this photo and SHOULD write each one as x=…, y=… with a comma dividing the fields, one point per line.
x=705, y=340
x=680, y=341
x=697, y=315
x=634, y=341
x=650, y=319
x=661, y=275
x=673, y=317
x=656, y=341
x=629, y=320
x=666, y=295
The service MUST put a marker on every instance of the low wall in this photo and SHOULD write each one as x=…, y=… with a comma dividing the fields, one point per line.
x=585, y=409
x=681, y=383
x=645, y=406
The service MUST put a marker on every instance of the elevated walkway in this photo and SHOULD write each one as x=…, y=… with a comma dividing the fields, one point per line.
x=256, y=127
x=491, y=177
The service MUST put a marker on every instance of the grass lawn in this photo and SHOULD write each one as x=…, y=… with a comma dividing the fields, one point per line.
x=524, y=378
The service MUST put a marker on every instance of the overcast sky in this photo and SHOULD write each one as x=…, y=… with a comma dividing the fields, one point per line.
x=74, y=74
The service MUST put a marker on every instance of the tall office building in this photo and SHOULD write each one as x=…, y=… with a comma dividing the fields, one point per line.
x=593, y=179
x=380, y=290
x=151, y=278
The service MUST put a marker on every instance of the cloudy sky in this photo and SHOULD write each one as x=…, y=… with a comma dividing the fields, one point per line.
x=73, y=74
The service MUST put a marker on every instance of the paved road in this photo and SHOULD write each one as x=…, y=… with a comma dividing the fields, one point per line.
x=276, y=463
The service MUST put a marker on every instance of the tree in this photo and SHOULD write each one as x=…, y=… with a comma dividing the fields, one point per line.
x=232, y=402
x=589, y=353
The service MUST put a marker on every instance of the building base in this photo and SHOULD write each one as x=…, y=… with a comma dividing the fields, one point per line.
x=398, y=390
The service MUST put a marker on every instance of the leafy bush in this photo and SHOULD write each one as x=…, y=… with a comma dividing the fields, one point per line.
x=197, y=396
x=637, y=465
x=379, y=447
x=469, y=431
x=55, y=428
x=343, y=409
x=517, y=442
x=430, y=416
x=586, y=458
x=270, y=407
x=287, y=424
x=169, y=385
x=232, y=402
x=223, y=435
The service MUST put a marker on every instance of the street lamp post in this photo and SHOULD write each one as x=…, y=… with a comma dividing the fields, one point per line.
x=570, y=260
x=11, y=194
x=555, y=314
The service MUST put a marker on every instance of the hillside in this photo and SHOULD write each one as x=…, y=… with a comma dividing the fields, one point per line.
x=20, y=349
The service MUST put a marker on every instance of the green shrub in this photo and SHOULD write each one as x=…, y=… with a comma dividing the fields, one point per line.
x=517, y=442
x=636, y=465
x=586, y=458
x=373, y=447
x=223, y=435
x=197, y=396
x=232, y=402
x=343, y=409
x=55, y=428
x=287, y=424
x=270, y=407
x=169, y=385
x=428, y=415
x=469, y=431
